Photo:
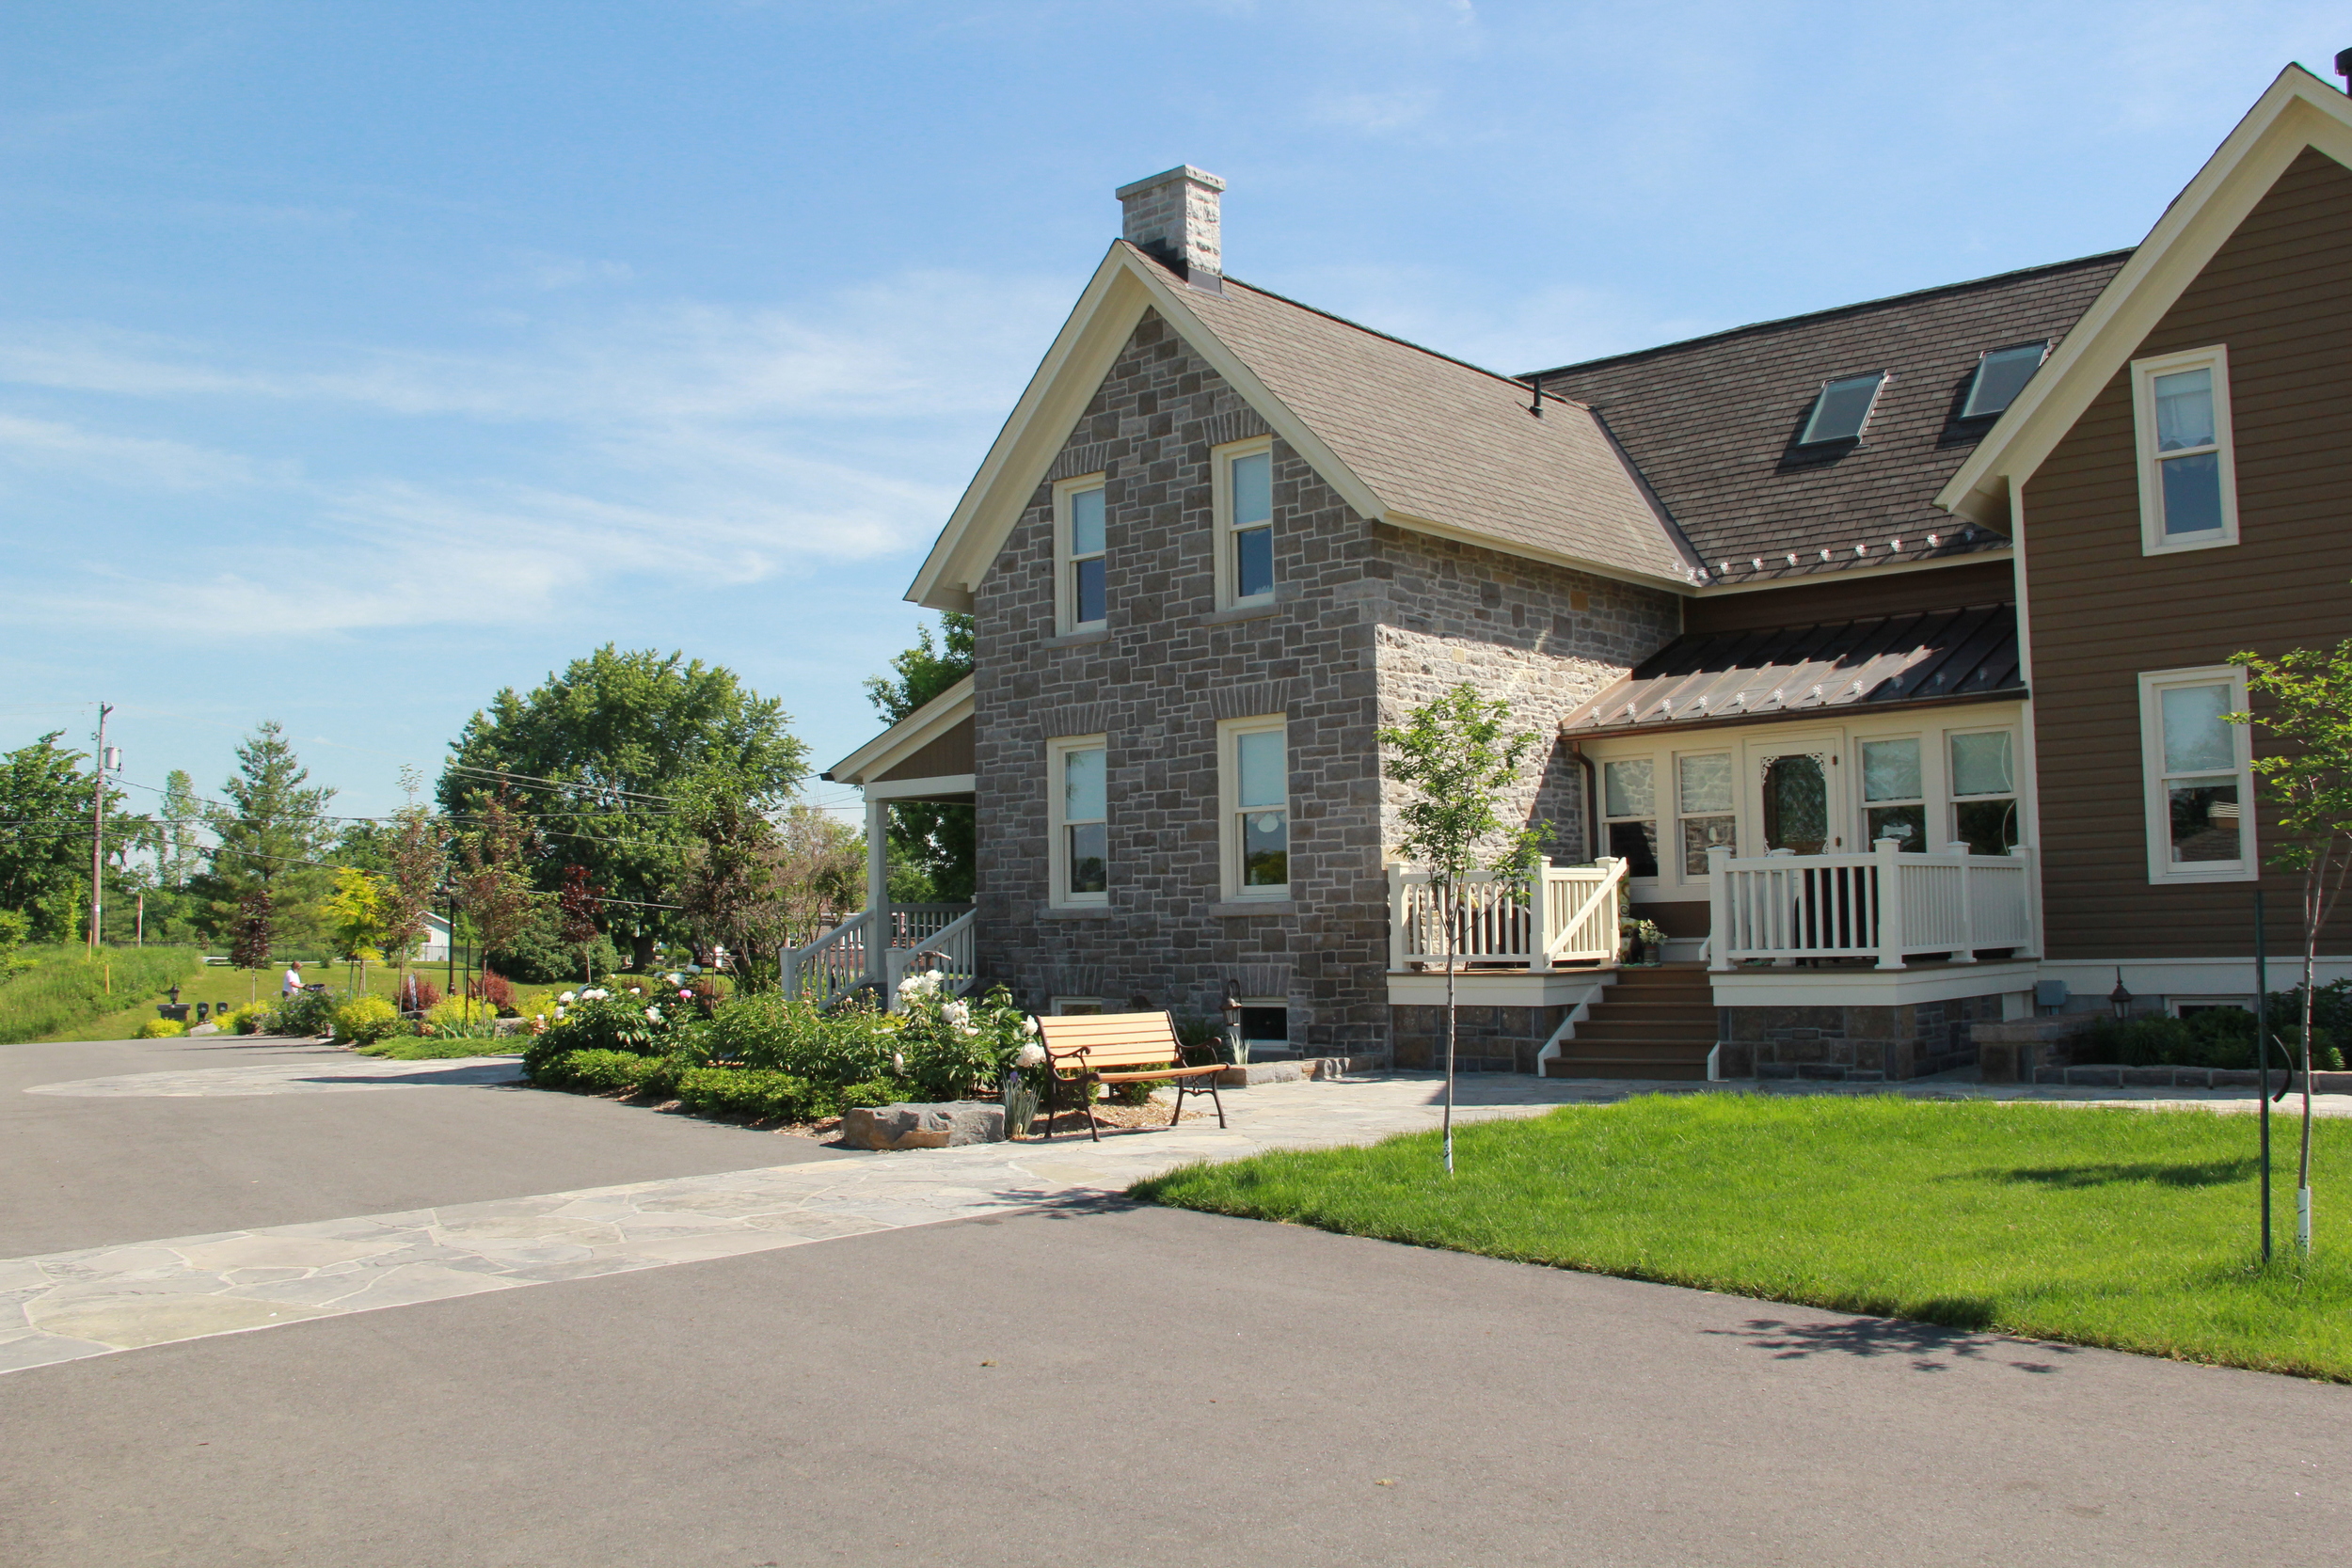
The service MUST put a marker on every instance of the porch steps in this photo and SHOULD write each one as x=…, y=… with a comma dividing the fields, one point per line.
x=1651, y=1024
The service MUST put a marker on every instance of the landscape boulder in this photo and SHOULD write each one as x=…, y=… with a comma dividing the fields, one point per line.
x=936, y=1126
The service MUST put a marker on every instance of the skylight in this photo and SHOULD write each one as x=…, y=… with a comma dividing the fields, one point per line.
x=2001, y=375
x=1842, y=409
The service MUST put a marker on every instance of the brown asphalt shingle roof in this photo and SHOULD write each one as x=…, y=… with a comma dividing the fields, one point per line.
x=1446, y=442
x=1712, y=423
x=1718, y=677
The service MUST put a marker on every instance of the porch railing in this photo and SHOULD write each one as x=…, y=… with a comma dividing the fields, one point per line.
x=951, y=952
x=831, y=966
x=1567, y=914
x=1883, y=905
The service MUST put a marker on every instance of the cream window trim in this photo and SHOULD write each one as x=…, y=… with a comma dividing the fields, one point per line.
x=1221, y=493
x=1066, y=560
x=1057, y=752
x=1229, y=808
x=2153, y=538
x=1075, y=1006
x=1677, y=852
x=2155, y=780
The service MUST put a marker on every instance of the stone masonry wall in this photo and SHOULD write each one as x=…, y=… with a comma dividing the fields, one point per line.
x=1368, y=621
x=1486, y=1039
x=1852, y=1044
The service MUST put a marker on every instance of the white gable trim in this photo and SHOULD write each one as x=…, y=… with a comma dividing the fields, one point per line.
x=1123, y=287
x=2298, y=110
x=905, y=737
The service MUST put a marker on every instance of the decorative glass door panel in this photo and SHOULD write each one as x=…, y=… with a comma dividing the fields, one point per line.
x=1796, y=797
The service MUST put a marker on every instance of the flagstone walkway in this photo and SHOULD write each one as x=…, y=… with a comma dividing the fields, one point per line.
x=64, y=1305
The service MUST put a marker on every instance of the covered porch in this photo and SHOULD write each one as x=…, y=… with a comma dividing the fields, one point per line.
x=926, y=757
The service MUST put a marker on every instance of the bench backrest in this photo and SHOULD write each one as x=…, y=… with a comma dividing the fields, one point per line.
x=1110, y=1040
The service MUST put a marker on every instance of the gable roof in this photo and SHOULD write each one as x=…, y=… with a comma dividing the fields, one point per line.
x=2297, y=111
x=1405, y=436
x=1712, y=422
x=904, y=739
x=1714, y=678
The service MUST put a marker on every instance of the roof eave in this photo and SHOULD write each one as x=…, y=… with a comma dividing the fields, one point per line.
x=906, y=737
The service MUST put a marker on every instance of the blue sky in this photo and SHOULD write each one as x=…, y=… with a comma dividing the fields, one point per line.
x=357, y=360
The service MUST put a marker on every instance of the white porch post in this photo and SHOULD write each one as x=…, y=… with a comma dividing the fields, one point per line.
x=1539, y=918
x=1396, y=917
x=1890, y=902
x=876, y=890
x=1719, y=907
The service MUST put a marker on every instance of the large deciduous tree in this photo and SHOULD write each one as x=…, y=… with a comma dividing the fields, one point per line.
x=603, y=758
x=934, y=838
x=45, y=836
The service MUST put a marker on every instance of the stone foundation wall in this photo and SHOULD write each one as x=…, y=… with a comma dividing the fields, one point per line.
x=1852, y=1044
x=1486, y=1039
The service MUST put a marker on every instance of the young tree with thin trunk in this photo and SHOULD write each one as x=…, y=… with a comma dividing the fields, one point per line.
x=251, y=937
x=577, y=904
x=416, y=853
x=492, y=884
x=1457, y=763
x=2309, y=783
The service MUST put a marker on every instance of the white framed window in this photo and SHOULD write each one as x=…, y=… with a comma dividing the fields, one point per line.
x=2199, y=786
x=1242, y=490
x=1253, y=786
x=1629, y=813
x=1893, y=792
x=1704, y=808
x=1081, y=588
x=1076, y=1006
x=2188, y=476
x=1984, y=789
x=1077, y=790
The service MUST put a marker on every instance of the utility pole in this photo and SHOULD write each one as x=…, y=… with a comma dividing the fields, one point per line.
x=98, y=832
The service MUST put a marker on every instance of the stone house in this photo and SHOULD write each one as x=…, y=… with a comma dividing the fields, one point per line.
x=1765, y=593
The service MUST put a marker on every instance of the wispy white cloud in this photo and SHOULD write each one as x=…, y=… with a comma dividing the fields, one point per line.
x=139, y=461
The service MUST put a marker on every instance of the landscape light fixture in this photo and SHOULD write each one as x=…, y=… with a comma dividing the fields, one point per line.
x=2119, y=999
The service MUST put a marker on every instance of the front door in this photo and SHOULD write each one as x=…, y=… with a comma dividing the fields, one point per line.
x=1795, y=795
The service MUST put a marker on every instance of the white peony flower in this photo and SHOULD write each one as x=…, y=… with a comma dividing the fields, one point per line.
x=897, y=1065
x=957, y=1012
x=637, y=991
x=653, y=1015
x=559, y=1015
x=565, y=997
x=1028, y=1026
x=1032, y=1054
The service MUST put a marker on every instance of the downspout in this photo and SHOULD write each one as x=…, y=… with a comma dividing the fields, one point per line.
x=1591, y=795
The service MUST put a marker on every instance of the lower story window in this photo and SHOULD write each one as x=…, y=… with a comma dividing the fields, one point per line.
x=2198, y=773
x=1894, y=794
x=1984, y=793
x=1703, y=797
x=1081, y=823
x=1257, y=793
x=1629, y=792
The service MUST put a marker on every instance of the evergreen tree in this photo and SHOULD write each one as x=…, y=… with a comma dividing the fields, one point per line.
x=272, y=835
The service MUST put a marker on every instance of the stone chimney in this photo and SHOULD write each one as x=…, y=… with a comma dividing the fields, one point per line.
x=1173, y=217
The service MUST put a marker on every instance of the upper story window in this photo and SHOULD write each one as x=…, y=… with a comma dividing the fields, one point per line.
x=2187, y=480
x=1842, y=409
x=1245, y=523
x=1080, y=593
x=2198, y=782
x=2001, y=375
x=1254, y=780
x=1078, y=787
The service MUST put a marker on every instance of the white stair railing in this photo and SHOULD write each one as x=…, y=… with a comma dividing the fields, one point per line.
x=951, y=953
x=1567, y=914
x=833, y=965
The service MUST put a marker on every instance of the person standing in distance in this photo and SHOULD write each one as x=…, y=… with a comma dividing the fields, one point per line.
x=294, y=977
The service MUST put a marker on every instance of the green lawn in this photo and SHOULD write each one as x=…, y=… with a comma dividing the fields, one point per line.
x=217, y=983
x=2136, y=1229
x=63, y=989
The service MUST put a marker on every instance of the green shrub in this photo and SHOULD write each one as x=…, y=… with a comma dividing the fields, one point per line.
x=605, y=1072
x=251, y=1019
x=758, y=1093
x=160, y=1029
x=365, y=1020
x=304, y=1013
x=603, y=1019
x=2224, y=1036
x=461, y=1015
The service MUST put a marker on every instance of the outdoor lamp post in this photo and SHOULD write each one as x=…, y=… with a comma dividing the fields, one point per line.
x=2119, y=999
x=1231, y=1009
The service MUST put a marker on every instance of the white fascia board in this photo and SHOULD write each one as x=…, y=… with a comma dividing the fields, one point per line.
x=2004, y=552
x=2297, y=110
x=1870, y=987
x=906, y=737
x=1547, y=988
x=1033, y=434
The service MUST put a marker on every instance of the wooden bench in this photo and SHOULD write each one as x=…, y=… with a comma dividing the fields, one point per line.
x=1119, y=1048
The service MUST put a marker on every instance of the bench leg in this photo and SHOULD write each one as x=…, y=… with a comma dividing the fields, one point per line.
x=1180, y=1102
x=1218, y=1101
x=1085, y=1103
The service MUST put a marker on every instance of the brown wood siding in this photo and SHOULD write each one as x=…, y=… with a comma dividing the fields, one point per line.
x=2279, y=294
x=1855, y=595
x=949, y=755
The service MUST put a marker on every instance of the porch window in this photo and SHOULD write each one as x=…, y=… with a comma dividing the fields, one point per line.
x=1704, y=807
x=1081, y=801
x=2188, y=479
x=1245, y=507
x=1630, y=810
x=1984, y=792
x=2198, y=782
x=1256, y=786
x=1081, y=589
x=1894, y=794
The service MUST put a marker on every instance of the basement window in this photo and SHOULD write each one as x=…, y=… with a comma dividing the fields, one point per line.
x=1842, y=409
x=2001, y=375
